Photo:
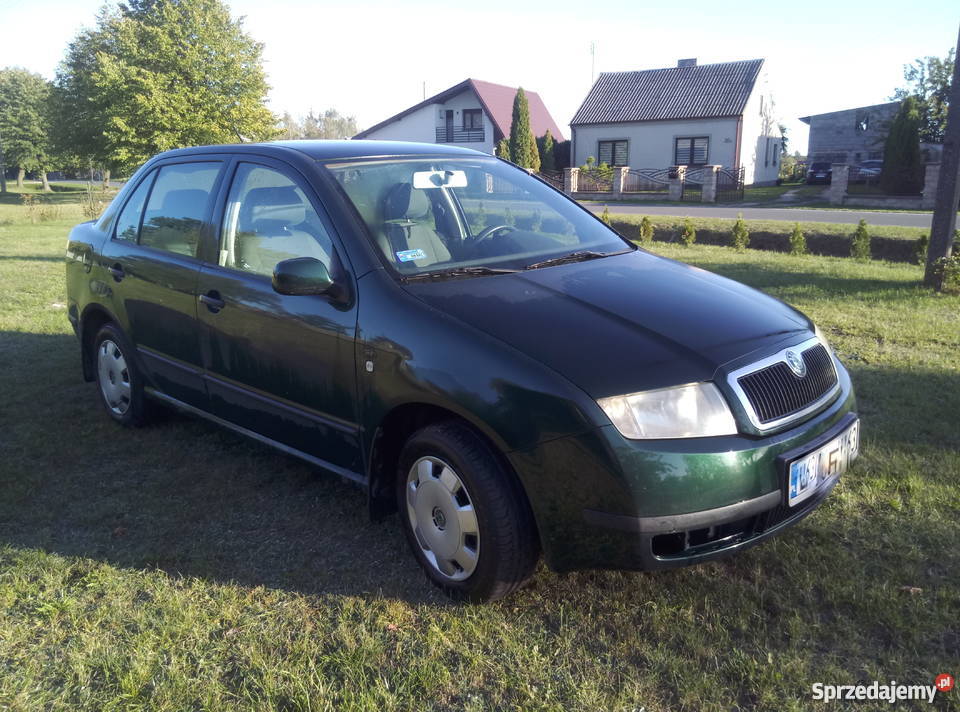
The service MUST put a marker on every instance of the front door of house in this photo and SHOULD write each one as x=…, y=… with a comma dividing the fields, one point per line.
x=449, y=116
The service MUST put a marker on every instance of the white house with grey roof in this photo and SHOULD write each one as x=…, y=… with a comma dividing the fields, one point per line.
x=688, y=115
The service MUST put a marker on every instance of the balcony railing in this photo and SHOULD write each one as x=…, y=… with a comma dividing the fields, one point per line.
x=445, y=135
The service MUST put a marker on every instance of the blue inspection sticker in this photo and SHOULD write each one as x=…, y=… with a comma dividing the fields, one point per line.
x=411, y=255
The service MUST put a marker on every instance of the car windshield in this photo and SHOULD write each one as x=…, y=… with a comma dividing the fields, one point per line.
x=820, y=167
x=468, y=216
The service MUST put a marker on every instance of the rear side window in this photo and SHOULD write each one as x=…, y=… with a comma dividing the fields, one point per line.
x=177, y=207
x=128, y=224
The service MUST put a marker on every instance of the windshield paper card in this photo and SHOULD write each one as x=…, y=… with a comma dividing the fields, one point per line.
x=424, y=180
x=411, y=255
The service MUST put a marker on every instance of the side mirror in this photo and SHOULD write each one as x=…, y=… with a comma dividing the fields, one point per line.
x=300, y=276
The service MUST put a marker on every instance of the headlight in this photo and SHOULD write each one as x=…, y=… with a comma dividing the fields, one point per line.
x=693, y=411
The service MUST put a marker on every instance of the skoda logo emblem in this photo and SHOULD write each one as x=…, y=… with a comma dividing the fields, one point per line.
x=796, y=364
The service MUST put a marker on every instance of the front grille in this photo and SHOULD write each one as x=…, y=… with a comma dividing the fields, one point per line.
x=775, y=392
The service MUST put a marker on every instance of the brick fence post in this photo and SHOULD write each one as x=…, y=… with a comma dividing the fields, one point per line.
x=619, y=178
x=839, y=176
x=571, y=176
x=931, y=178
x=675, y=190
x=709, y=194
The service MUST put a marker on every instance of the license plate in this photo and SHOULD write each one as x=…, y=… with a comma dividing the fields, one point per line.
x=818, y=468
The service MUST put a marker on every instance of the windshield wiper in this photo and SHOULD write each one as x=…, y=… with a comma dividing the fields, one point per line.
x=454, y=272
x=579, y=256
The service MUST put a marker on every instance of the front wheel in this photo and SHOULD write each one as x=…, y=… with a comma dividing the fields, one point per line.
x=118, y=380
x=466, y=518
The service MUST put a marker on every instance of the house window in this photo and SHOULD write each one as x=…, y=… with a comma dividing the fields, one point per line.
x=691, y=151
x=472, y=119
x=613, y=153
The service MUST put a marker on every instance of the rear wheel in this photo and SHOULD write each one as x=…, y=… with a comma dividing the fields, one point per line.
x=118, y=380
x=466, y=518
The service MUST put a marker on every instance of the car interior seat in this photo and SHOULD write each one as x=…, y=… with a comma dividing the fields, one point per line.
x=408, y=224
x=273, y=226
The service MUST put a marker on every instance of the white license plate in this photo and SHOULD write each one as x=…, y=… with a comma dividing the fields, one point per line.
x=814, y=470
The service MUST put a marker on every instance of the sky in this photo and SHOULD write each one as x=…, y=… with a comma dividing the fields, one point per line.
x=371, y=59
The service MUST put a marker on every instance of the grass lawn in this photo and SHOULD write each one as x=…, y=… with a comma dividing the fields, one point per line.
x=181, y=567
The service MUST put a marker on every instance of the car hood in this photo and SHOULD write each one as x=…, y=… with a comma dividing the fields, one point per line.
x=621, y=324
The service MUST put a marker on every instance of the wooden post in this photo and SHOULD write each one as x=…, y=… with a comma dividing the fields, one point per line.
x=948, y=187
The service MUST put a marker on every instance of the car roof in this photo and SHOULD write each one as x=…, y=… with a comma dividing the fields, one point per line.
x=322, y=150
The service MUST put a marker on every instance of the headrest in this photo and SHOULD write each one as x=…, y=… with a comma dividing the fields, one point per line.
x=278, y=205
x=187, y=203
x=403, y=202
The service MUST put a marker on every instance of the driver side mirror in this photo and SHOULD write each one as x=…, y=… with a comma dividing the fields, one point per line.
x=300, y=276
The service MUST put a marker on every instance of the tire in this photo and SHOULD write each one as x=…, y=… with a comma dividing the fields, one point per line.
x=119, y=382
x=466, y=518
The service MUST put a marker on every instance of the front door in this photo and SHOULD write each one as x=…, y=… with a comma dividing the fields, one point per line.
x=449, y=125
x=280, y=366
x=152, y=259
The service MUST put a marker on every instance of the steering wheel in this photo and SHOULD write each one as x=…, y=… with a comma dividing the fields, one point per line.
x=487, y=233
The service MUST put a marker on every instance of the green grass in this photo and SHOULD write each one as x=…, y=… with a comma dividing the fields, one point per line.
x=180, y=567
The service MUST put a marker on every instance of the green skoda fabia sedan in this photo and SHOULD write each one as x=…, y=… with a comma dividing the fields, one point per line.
x=472, y=347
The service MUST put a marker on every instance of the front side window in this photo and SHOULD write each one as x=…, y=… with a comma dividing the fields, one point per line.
x=128, y=224
x=613, y=153
x=472, y=119
x=441, y=214
x=269, y=219
x=691, y=151
x=178, y=206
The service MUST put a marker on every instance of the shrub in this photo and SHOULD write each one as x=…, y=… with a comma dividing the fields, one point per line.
x=38, y=210
x=902, y=172
x=947, y=270
x=739, y=236
x=646, y=230
x=688, y=234
x=920, y=249
x=605, y=216
x=479, y=219
x=798, y=243
x=503, y=149
x=860, y=244
x=91, y=206
x=537, y=222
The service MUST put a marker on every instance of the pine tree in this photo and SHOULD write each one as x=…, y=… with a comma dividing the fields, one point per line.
x=605, y=216
x=523, y=146
x=646, y=230
x=860, y=243
x=798, y=243
x=920, y=249
x=739, y=236
x=503, y=149
x=902, y=172
x=547, y=160
x=688, y=234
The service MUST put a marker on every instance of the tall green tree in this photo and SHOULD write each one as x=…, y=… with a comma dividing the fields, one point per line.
x=902, y=172
x=166, y=74
x=25, y=101
x=331, y=124
x=546, y=145
x=928, y=79
x=523, y=145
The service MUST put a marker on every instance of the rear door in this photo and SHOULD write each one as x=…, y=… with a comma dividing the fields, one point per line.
x=153, y=264
x=282, y=367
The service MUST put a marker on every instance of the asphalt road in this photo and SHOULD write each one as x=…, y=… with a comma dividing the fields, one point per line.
x=873, y=217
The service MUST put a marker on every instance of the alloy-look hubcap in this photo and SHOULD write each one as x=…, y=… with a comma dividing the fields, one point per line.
x=442, y=517
x=114, y=378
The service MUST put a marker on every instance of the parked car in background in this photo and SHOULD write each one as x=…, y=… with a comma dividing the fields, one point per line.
x=472, y=347
x=819, y=172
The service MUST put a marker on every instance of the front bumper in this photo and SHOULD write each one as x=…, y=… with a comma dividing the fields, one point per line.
x=604, y=502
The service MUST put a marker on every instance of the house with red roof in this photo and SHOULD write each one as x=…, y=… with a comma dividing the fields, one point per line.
x=474, y=113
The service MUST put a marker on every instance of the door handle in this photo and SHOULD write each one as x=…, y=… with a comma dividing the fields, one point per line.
x=213, y=301
x=116, y=270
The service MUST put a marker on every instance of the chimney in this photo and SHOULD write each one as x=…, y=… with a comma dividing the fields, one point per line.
x=692, y=62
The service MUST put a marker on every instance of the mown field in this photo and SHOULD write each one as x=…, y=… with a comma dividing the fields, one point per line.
x=180, y=567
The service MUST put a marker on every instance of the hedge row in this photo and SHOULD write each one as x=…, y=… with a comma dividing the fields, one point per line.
x=897, y=244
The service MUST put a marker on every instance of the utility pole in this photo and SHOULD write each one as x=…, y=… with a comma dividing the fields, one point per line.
x=593, y=62
x=948, y=186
